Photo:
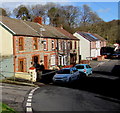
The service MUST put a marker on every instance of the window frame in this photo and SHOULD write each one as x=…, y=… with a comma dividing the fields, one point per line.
x=75, y=45
x=71, y=45
x=52, y=44
x=21, y=44
x=45, y=45
x=35, y=43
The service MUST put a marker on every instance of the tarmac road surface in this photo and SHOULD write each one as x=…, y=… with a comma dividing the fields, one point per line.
x=58, y=98
x=14, y=95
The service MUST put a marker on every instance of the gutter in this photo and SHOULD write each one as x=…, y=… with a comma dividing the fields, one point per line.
x=7, y=28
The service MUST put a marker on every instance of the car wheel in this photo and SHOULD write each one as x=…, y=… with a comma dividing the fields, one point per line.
x=87, y=74
x=70, y=80
x=91, y=72
x=78, y=77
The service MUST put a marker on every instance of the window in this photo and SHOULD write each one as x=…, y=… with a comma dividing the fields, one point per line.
x=35, y=43
x=44, y=45
x=87, y=66
x=59, y=45
x=53, y=44
x=21, y=65
x=21, y=44
x=75, y=45
x=64, y=71
x=65, y=45
x=70, y=44
x=53, y=57
x=79, y=67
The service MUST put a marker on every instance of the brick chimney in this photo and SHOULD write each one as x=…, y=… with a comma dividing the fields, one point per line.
x=38, y=20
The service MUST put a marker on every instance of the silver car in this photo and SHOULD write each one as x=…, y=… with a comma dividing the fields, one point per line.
x=66, y=75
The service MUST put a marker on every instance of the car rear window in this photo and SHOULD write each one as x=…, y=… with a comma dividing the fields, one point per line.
x=64, y=71
x=88, y=66
x=79, y=67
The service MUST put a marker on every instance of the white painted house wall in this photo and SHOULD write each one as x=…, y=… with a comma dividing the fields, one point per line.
x=6, y=53
x=6, y=40
x=84, y=47
x=96, y=51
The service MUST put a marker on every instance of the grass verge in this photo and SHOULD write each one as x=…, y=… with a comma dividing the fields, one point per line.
x=6, y=109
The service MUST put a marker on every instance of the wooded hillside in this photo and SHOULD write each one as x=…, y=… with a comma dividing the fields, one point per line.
x=71, y=18
x=108, y=30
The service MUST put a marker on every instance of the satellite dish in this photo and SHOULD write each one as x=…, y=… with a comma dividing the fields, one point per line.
x=42, y=29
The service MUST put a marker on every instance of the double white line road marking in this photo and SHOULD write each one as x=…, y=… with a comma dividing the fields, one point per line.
x=29, y=100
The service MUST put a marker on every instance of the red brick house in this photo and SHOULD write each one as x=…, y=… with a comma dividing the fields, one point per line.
x=32, y=42
x=73, y=46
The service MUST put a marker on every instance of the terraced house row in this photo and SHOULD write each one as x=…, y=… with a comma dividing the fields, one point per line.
x=23, y=42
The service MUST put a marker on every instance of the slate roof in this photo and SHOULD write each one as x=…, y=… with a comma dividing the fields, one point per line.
x=90, y=36
x=18, y=26
x=26, y=28
x=99, y=37
x=66, y=33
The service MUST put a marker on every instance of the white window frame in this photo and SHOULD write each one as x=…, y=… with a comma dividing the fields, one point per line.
x=53, y=44
x=65, y=45
x=45, y=45
x=53, y=60
x=59, y=45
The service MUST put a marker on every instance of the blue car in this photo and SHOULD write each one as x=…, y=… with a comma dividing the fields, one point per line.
x=84, y=68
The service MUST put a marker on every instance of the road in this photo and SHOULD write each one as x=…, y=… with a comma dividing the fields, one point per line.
x=60, y=98
x=14, y=95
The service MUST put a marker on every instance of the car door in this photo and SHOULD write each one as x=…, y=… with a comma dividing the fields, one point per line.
x=88, y=69
x=71, y=74
x=75, y=73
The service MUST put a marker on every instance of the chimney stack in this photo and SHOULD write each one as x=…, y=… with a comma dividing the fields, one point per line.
x=38, y=20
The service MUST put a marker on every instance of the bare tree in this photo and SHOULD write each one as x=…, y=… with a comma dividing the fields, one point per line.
x=41, y=11
x=21, y=12
x=4, y=12
x=66, y=15
x=88, y=16
x=71, y=14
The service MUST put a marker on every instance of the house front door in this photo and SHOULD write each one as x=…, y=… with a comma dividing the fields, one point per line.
x=21, y=65
x=46, y=62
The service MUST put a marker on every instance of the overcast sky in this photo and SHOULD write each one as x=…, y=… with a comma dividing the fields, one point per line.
x=106, y=9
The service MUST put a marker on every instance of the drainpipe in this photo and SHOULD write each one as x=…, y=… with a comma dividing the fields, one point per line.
x=57, y=48
x=90, y=50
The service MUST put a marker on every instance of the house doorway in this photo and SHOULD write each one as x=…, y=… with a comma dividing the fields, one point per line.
x=46, y=62
x=73, y=58
x=35, y=59
x=21, y=65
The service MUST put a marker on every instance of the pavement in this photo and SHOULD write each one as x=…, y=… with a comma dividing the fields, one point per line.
x=107, y=67
x=94, y=63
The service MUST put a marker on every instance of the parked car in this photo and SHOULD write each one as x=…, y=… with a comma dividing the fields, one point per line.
x=84, y=68
x=66, y=75
x=116, y=55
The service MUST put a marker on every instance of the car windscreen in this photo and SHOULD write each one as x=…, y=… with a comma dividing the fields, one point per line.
x=79, y=67
x=64, y=71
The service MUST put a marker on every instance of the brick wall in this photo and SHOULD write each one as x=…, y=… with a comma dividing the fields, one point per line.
x=29, y=51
